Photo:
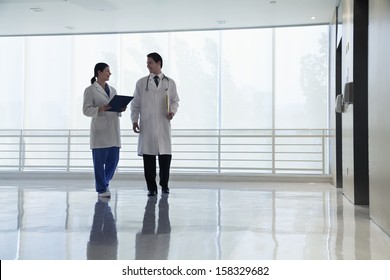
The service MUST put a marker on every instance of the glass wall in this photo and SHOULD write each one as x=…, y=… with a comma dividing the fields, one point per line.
x=232, y=79
x=301, y=66
x=252, y=79
x=246, y=79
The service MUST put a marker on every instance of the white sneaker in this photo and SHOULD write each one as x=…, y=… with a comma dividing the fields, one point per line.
x=105, y=194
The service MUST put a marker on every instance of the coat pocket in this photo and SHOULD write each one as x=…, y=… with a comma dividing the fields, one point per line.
x=100, y=123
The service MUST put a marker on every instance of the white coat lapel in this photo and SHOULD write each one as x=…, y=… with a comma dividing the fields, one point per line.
x=152, y=82
x=101, y=90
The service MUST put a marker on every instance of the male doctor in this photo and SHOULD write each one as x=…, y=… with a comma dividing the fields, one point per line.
x=152, y=109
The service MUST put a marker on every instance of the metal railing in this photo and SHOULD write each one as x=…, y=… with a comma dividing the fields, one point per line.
x=280, y=151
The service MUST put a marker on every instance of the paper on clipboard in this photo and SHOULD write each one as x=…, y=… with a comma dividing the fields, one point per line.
x=167, y=99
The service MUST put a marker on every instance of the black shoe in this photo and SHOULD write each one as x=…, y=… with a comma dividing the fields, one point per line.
x=165, y=190
x=152, y=193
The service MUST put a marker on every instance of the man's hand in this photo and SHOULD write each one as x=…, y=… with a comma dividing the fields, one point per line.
x=170, y=115
x=136, y=127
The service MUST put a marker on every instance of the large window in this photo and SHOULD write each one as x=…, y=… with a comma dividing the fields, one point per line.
x=252, y=79
x=301, y=69
x=239, y=90
x=246, y=79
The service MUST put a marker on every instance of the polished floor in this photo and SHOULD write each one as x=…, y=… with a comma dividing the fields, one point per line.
x=202, y=220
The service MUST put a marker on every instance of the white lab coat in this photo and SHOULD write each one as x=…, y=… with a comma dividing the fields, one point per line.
x=105, y=126
x=149, y=107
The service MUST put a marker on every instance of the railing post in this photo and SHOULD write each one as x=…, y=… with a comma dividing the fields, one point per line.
x=20, y=149
x=68, y=150
x=323, y=151
x=273, y=151
x=219, y=150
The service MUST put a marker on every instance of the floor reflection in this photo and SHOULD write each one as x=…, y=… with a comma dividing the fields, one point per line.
x=353, y=229
x=103, y=241
x=152, y=244
x=202, y=221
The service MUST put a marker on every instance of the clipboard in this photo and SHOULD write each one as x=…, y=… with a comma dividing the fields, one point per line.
x=118, y=102
x=167, y=100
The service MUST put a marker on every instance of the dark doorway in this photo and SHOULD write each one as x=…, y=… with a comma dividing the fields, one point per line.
x=339, y=153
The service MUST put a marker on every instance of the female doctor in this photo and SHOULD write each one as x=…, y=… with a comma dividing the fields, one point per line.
x=152, y=109
x=105, y=139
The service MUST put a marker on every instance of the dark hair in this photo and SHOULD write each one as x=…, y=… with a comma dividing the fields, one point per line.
x=98, y=67
x=156, y=57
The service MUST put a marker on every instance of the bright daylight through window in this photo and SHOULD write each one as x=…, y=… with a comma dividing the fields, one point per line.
x=253, y=82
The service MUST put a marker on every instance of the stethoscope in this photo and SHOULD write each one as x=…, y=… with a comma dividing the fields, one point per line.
x=162, y=80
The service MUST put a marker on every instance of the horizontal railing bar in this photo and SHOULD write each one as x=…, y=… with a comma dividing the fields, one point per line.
x=178, y=159
x=297, y=160
x=44, y=143
x=140, y=167
x=250, y=152
x=276, y=145
x=300, y=144
x=222, y=153
x=46, y=151
x=226, y=168
x=192, y=144
x=311, y=153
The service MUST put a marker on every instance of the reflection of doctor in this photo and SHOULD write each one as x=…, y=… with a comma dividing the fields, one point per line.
x=103, y=242
x=152, y=244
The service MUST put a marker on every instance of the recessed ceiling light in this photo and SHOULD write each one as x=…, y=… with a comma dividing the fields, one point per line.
x=221, y=21
x=38, y=10
x=313, y=18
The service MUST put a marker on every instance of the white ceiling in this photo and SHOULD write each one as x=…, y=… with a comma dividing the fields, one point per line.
x=43, y=17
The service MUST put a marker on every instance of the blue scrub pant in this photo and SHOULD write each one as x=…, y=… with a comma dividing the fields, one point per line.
x=105, y=161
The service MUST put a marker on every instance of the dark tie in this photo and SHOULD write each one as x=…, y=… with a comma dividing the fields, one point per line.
x=156, y=80
x=107, y=89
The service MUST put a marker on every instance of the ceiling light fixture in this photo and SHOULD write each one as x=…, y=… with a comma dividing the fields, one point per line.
x=37, y=10
x=313, y=18
x=272, y=2
x=221, y=21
